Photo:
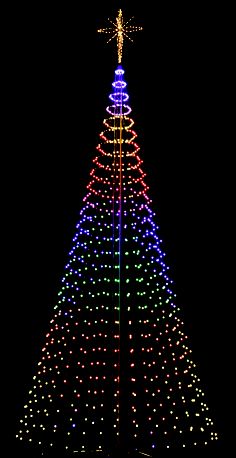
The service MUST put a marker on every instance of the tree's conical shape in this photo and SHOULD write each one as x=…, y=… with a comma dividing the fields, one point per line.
x=116, y=368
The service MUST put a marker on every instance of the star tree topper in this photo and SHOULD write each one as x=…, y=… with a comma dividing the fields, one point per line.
x=120, y=30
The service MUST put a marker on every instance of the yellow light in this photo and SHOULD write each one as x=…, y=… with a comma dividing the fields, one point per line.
x=120, y=30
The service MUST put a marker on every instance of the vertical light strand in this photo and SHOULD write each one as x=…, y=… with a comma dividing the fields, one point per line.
x=114, y=296
x=120, y=231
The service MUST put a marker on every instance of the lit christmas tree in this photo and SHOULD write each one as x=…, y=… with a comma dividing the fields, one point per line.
x=116, y=370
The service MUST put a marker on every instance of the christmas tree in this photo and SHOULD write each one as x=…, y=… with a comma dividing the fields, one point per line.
x=116, y=370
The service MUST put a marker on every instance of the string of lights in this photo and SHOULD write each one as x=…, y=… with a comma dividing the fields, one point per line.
x=116, y=365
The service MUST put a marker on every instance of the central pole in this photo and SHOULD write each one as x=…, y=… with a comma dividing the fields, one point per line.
x=123, y=399
x=120, y=30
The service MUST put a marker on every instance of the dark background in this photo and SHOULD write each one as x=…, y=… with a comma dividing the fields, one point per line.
x=59, y=73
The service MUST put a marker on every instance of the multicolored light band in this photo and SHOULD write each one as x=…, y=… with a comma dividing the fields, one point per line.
x=75, y=394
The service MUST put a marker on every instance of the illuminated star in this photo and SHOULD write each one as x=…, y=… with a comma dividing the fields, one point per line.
x=120, y=30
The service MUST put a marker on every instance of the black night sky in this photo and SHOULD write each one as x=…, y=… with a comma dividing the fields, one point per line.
x=59, y=73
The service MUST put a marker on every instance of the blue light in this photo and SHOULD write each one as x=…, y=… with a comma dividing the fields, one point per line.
x=119, y=71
